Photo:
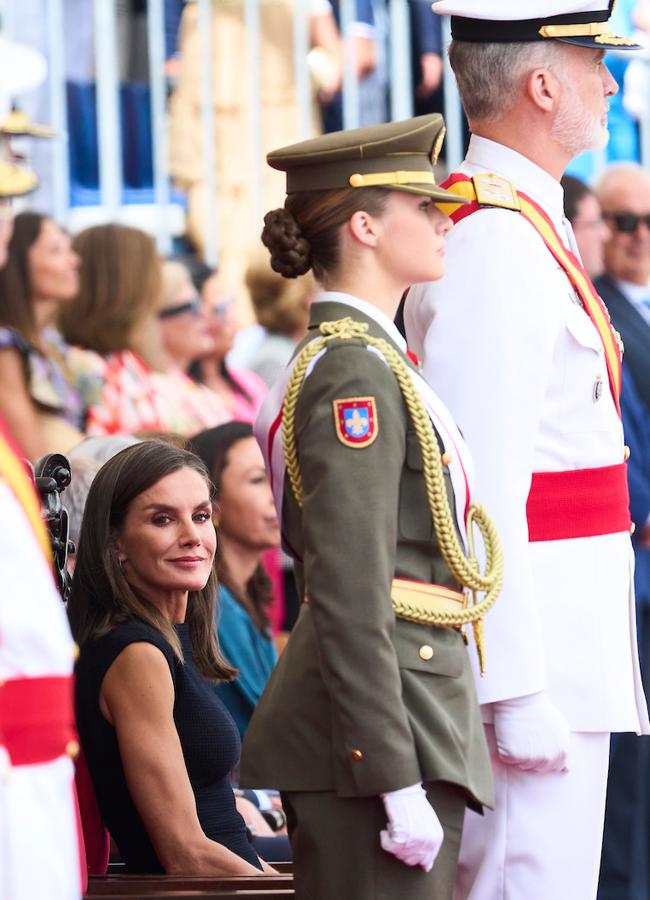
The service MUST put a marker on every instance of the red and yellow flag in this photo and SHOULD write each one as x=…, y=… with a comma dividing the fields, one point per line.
x=14, y=473
x=593, y=305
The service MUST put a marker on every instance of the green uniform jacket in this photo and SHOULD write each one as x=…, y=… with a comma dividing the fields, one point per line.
x=352, y=707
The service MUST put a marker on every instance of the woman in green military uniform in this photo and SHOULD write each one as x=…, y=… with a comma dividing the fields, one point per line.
x=370, y=724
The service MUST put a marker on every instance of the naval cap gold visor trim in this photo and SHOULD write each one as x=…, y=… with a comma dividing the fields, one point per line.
x=592, y=29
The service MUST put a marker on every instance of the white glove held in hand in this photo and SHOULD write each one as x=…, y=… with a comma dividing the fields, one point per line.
x=531, y=734
x=414, y=833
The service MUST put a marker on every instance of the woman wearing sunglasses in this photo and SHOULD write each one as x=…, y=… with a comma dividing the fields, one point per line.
x=189, y=407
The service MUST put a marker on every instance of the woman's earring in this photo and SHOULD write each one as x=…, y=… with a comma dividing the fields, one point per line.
x=120, y=563
x=215, y=521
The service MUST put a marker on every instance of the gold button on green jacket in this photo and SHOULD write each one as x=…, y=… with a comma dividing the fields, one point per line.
x=362, y=703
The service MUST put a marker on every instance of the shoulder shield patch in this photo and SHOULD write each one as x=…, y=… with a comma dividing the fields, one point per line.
x=355, y=421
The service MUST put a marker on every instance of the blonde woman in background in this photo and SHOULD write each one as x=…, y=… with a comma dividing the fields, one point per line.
x=282, y=308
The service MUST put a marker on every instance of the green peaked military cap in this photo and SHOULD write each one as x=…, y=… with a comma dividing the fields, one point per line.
x=399, y=156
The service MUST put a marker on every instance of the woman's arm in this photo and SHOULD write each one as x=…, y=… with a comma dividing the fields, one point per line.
x=137, y=697
x=17, y=407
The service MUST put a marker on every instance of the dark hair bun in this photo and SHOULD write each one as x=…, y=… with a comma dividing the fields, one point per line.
x=290, y=251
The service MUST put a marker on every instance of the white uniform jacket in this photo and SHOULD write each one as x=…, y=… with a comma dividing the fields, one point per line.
x=508, y=347
x=39, y=839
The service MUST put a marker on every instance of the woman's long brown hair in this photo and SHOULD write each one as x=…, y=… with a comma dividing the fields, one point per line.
x=16, y=308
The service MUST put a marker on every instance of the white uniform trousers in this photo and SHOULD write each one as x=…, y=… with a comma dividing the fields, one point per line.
x=543, y=839
x=39, y=839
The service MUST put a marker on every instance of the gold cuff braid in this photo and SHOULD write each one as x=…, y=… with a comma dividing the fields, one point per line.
x=464, y=569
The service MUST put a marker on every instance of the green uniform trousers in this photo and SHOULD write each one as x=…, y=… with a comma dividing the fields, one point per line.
x=337, y=854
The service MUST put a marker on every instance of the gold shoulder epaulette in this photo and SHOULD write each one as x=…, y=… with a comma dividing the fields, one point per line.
x=18, y=124
x=16, y=180
x=493, y=190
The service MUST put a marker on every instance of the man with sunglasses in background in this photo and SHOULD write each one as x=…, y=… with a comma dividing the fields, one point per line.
x=624, y=196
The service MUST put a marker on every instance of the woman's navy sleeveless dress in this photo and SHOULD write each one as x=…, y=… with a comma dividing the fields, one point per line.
x=209, y=739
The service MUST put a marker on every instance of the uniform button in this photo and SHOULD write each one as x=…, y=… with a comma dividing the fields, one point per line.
x=305, y=599
x=626, y=453
x=426, y=652
x=357, y=755
x=632, y=528
x=446, y=459
x=75, y=652
x=72, y=749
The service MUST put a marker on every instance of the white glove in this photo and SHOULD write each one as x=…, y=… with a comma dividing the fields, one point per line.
x=531, y=734
x=414, y=834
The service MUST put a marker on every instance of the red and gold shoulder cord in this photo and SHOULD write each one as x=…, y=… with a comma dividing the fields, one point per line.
x=533, y=213
x=14, y=473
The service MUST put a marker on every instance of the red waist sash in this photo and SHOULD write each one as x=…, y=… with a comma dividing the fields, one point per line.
x=578, y=503
x=37, y=719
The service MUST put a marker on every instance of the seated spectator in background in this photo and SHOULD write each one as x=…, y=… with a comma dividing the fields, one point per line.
x=101, y=448
x=185, y=334
x=241, y=391
x=159, y=743
x=582, y=209
x=83, y=472
x=247, y=526
x=38, y=400
x=113, y=316
x=624, y=195
x=86, y=459
x=281, y=306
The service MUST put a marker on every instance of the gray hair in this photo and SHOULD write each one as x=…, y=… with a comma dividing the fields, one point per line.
x=74, y=496
x=101, y=448
x=609, y=183
x=489, y=76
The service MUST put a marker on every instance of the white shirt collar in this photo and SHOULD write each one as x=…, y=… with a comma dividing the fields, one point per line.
x=635, y=293
x=368, y=310
x=524, y=174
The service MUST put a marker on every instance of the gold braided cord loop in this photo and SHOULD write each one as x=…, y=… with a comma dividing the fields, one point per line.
x=464, y=569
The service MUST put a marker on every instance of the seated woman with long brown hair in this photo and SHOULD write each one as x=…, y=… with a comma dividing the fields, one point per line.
x=159, y=744
x=248, y=527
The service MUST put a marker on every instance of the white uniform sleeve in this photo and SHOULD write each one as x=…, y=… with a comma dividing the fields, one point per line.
x=486, y=335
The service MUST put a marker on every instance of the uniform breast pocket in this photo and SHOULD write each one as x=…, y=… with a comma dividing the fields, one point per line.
x=434, y=651
x=582, y=329
x=585, y=399
x=414, y=519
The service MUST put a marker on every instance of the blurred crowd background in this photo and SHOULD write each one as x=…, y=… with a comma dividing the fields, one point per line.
x=137, y=299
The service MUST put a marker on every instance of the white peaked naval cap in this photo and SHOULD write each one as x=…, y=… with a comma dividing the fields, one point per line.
x=21, y=69
x=581, y=22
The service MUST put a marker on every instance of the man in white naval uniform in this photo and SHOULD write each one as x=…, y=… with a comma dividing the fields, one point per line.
x=517, y=343
x=39, y=834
